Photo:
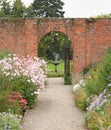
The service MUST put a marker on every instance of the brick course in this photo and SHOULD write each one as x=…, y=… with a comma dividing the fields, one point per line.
x=90, y=37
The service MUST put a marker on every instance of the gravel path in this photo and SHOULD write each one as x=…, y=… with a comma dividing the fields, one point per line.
x=55, y=109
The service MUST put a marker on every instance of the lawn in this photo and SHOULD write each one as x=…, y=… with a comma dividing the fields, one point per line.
x=51, y=66
x=51, y=69
x=60, y=69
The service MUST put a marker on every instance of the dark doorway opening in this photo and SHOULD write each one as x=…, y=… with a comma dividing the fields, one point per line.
x=56, y=49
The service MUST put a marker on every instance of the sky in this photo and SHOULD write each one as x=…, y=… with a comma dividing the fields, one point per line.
x=83, y=8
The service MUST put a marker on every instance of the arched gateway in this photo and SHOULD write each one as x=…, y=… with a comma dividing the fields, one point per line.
x=90, y=37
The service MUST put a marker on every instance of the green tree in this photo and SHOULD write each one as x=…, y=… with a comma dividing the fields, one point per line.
x=28, y=12
x=18, y=9
x=5, y=10
x=48, y=8
x=103, y=16
x=53, y=43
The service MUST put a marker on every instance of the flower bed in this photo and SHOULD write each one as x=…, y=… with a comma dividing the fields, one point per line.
x=97, y=99
x=22, y=78
x=10, y=121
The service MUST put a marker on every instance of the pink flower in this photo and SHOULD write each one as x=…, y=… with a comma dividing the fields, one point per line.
x=11, y=100
x=19, y=96
x=23, y=101
x=32, y=68
x=18, y=93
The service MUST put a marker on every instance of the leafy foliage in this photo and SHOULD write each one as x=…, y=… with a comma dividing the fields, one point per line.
x=53, y=43
x=9, y=121
x=80, y=97
x=51, y=8
x=18, y=9
x=67, y=79
x=48, y=8
x=98, y=88
x=20, y=81
x=4, y=54
x=98, y=119
x=103, y=16
x=24, y=75
x=5, y=8
x=20, y=84
x=100, y=77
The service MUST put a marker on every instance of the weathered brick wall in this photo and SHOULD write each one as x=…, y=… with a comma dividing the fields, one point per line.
x=98, y=39
x=19, y=36
x=90, y=37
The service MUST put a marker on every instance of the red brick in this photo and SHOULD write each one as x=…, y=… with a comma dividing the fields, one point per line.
x=90, y=37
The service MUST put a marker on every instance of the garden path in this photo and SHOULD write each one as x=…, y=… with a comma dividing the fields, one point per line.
x=55, y=109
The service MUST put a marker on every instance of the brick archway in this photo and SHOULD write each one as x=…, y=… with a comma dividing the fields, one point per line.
x=55, y=34
x=90, y=37
x=60, y=44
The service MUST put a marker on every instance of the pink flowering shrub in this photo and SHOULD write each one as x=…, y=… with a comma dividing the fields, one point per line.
x=16, y=97
x=32, y=68
x=25, y=75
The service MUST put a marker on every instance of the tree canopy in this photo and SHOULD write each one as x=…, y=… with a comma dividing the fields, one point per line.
x=39, y=8
x=53, y=43
x=18, y=9
x=48, y=8
x=5, y=9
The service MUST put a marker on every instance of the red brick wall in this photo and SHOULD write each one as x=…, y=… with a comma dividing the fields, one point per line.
x=90, y=37
x=19, y=36
x=98, y=39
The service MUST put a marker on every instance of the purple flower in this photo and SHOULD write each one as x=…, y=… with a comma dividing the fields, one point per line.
x=96, y=102
x=93, y=104
x=101, y=95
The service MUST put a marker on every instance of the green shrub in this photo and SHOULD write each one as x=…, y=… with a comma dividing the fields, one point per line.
x=4, y=53
x=80, y=97
x=87, y=69
x=100, y=76
x=5, y=106
x=51, y=74
x=24, y=75
x=107, y=108
x=96, y=84
x=4, y=101
x=91, y=120
x=93, y=85
x=98, y=118
x=4, y=82
x=20, y=84
x=9, y=121
x=67, y=80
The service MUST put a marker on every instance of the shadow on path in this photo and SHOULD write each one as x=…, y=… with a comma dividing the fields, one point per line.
x=55, y=109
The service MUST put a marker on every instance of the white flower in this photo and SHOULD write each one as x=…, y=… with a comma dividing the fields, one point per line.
x=37, y=93
x=28, y=81
x=32, y=94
